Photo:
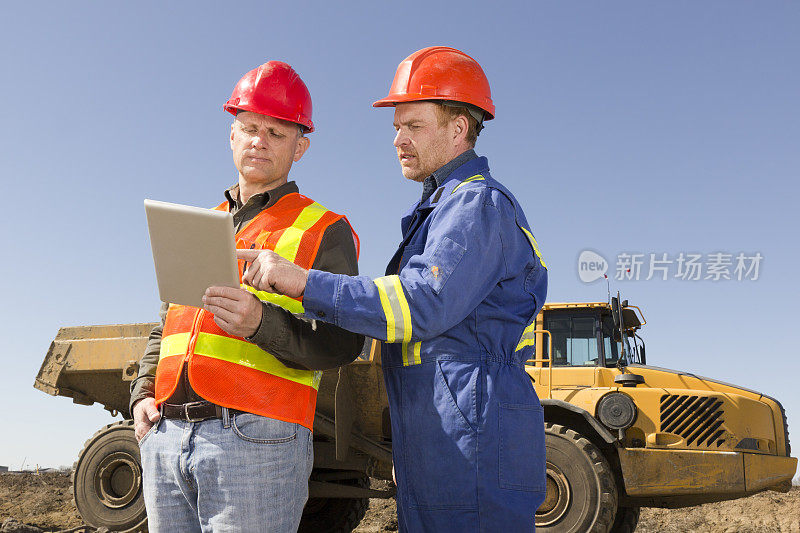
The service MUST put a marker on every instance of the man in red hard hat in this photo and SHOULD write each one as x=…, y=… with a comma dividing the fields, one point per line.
x=223, y=417
x=456, y=310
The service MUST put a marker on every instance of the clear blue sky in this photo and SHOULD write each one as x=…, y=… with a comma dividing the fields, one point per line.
x=651, y=127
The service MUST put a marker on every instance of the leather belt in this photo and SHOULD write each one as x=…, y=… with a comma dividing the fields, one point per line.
x=193, y=411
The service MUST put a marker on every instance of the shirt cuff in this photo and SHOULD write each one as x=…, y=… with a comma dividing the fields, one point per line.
x=321, y=294
x=272, y=328
x=142, y=388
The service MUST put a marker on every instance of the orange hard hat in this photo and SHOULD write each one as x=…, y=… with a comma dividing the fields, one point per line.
x=273, y=89
x=440, y=73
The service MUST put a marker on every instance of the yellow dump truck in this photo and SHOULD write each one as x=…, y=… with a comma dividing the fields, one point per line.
x=620, y=434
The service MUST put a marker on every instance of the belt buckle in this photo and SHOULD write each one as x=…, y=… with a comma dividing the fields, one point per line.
x=188, y=406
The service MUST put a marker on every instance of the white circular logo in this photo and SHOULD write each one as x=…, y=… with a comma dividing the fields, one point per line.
x=591, y=266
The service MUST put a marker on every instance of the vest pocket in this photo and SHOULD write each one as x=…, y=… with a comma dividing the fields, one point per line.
x=522, y=452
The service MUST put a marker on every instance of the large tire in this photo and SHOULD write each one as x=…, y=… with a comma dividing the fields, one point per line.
x=581, y=491
x=335, y=515
x=626, y=520
x=107, y=480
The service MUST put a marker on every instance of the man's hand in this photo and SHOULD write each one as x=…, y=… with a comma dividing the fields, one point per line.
x=236, y=311
x=270, y=272
x=145, y=414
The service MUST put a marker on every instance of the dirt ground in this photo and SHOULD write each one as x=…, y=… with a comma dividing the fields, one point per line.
x=768, y=512
x=45, y=501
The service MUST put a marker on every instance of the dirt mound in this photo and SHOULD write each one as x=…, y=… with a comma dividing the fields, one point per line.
x=45, y=501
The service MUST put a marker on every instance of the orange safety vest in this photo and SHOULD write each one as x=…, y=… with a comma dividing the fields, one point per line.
x=229, y=370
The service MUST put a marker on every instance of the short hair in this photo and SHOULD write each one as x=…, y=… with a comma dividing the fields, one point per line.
x=447, y=112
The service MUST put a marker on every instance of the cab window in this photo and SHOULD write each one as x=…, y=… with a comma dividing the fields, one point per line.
x=574, y=340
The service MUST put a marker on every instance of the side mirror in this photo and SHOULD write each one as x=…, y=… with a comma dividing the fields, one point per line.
x=619, y=328
x=615, y=311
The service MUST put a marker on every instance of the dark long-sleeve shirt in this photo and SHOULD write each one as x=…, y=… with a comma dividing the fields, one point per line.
x=297, y=341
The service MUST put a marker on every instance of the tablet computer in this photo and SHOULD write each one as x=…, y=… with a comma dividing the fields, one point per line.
x=193, y=249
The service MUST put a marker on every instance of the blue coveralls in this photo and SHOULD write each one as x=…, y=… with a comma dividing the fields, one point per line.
x=456, y=311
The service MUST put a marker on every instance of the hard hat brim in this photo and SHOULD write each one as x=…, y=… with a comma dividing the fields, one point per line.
x=394, y=99
x=308, y=126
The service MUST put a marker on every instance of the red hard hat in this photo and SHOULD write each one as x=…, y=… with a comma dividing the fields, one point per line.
x=440, y=73
x=273, y=89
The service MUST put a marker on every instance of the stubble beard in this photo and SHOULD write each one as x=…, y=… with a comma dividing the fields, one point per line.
x=412, y=174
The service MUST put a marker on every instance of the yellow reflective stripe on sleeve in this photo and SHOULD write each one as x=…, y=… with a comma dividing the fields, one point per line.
x=290, y=304
x=395, y=308
x=401, y=298
x=175, y=344
x=387, y=311
x=476, y=177
x=249, y=355
x=528, y=337
x=535, y=245
x=289, y=242
x=411, y=351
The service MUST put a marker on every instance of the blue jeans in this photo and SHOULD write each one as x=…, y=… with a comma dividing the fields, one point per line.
x=242, y=472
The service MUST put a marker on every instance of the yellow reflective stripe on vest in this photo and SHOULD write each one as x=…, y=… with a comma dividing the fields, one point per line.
x=289, y=242
x=290, y=304
x=249, y=355
x=395, y=308
x=476, y=177
x=175, y=344
x=287, y=247
x=528, y=337
x=410, y=352
x=535, y=246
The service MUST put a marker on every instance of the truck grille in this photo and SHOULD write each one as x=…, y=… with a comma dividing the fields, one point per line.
x=698, y=419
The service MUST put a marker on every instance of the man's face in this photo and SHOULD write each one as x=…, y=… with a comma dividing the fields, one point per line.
x=422, y=144
x=264, y=148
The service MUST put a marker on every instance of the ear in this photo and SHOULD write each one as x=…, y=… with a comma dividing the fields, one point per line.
x=302, y=145
x=233, y=125
x=460, y=129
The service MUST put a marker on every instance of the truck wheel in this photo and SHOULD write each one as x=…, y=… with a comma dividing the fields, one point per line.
x=335, y=515
x=626, y=520
x=581, y=491
x=107, y=480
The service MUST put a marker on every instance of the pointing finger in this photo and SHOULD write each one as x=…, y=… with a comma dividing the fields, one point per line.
x=247, y=255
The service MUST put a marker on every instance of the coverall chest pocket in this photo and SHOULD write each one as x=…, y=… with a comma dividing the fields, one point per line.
x=442, y=263
x=440, y=441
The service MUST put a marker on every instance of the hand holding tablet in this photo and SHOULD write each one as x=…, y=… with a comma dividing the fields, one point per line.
x=193, y=249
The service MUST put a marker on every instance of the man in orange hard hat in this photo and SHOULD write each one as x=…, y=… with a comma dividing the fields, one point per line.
x=223, y=417
x=456, y=311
